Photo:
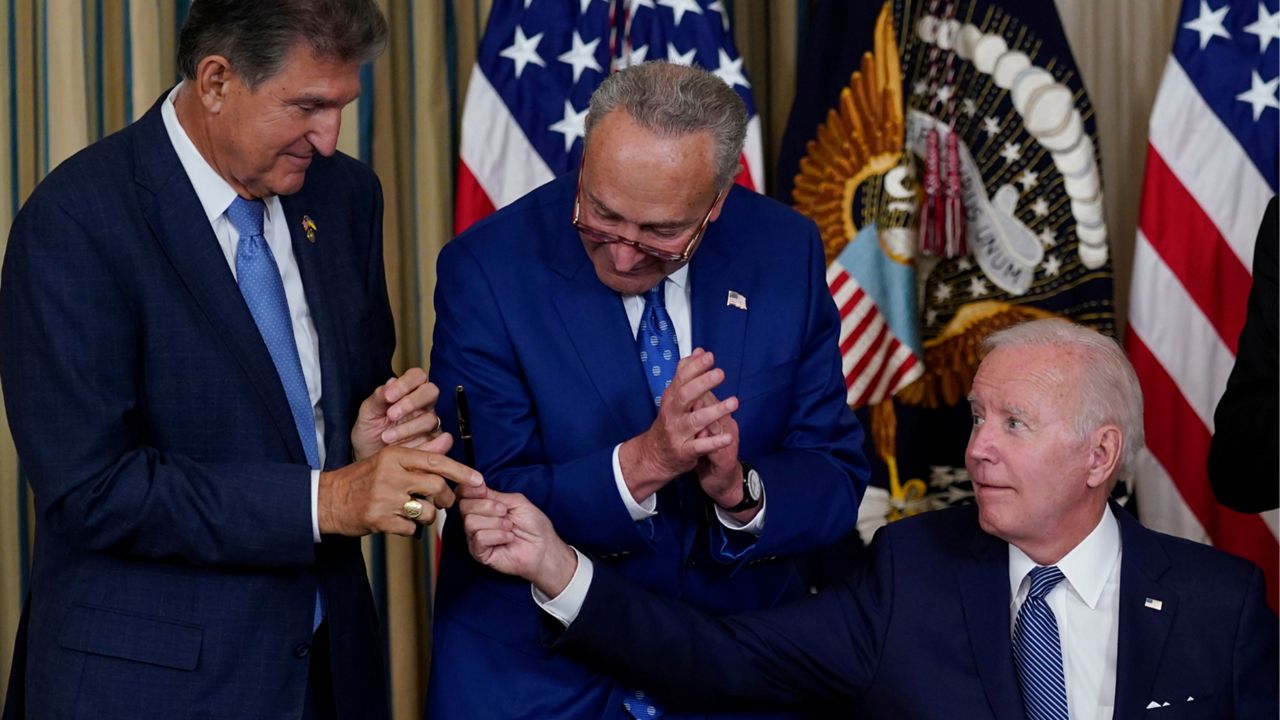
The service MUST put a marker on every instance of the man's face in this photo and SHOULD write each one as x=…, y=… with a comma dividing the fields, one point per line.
x=1031, y=473
x=264, y=139
x=645, y=188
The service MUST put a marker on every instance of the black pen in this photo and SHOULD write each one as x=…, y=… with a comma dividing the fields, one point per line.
x=464, y=427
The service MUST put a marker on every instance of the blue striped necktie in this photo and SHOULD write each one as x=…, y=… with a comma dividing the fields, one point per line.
x=656, y=341
x=263, y=291
x=1037, y=650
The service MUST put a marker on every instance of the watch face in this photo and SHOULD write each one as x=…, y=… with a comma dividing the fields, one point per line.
x=753, y=484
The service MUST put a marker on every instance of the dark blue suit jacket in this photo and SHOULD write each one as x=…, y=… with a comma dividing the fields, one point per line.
x=923, y=631
x=174, y=571
x=554, y=382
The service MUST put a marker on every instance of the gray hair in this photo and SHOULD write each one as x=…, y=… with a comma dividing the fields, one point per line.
x=1108, y=387
x=256, y=35
x=675, y=100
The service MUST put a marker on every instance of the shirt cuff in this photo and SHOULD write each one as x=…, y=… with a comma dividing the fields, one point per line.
x=755, y=527
x=315, y=506
x=638, y=511
x=566, y=606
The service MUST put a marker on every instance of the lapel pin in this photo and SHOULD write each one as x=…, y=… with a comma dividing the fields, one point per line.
x=736, y=299
x=1153, y=604
x=309, y=227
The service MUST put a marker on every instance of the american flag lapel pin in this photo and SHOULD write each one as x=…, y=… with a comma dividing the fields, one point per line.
x=1153, y=604
x=309, y=227
x=736, y=299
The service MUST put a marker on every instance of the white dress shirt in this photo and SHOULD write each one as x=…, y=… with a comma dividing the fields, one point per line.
x=676, y=295
x=1086, y=605
x=215, y=196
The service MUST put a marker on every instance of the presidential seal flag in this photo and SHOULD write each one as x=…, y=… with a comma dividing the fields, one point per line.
x=540, y=60
x=946, y=150
x=1212, y=166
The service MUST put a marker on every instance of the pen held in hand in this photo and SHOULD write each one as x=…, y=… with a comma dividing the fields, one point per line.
x=464, y=427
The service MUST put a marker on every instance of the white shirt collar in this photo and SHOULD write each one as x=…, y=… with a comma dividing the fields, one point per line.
x=680, y=277
x=215, y=193
x=1086, y=568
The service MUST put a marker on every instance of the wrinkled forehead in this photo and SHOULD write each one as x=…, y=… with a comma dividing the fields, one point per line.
x=1027, y=376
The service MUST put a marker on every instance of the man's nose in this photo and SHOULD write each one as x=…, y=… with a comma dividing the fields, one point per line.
x=625, y=257
x=324, y=132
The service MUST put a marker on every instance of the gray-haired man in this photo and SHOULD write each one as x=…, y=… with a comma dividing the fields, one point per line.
x=650, y=355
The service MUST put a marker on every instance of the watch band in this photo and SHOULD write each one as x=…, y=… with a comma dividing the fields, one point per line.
x=749, y=500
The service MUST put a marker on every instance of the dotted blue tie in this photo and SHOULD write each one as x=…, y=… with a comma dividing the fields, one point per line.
x=1037, y=651
x=656, y=341
x=639, y=705
x=263, y=292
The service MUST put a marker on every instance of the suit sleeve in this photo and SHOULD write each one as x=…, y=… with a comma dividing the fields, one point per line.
x=1255, y=662
x=471, y=348
x=815, y=480
x=823, y=648
x=1244, y=461
x=73, y=380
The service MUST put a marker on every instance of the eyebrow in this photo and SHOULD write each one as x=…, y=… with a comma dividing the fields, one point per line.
x=320, y=100
x=609, y=213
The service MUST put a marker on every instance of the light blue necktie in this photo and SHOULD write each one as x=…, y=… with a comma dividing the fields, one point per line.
x=1037, y=651
x=656, y=341
x=263, y=292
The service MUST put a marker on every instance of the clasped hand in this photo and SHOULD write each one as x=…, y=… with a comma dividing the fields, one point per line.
x=693, y=431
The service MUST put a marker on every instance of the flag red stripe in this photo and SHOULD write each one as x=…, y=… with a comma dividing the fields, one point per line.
x=839, y=281
x=861, y=327
x=869, y=353
x=1177, y=438
x=1194, y=249
x=874, y=376
x=471, y=203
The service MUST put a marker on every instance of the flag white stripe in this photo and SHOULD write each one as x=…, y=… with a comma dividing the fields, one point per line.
x=1163, y=508
x=1156, y=296
x=494, y=147
x=1208, y=161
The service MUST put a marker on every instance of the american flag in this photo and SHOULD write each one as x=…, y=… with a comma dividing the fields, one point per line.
x=1211, y=169
x=540, y=60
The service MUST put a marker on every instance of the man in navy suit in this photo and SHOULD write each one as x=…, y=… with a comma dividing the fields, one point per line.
x=650, y=355
x=1043, y=601
x=197, y=348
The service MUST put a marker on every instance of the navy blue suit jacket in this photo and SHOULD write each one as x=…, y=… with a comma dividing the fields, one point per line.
x=174, y=570
x=554, y=383
x=923, y=631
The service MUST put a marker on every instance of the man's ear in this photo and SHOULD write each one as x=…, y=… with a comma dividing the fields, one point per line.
x=214, y=81
x=1105, y=447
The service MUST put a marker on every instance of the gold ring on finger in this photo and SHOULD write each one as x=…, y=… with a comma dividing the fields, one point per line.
x=412, y=509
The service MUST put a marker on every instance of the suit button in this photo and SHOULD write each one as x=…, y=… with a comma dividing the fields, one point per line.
x=301, y=650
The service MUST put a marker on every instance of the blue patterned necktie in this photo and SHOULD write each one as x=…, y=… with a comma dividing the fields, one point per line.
x=659, y=354
x=1037, y=651
x=263, y=292
x=656, y=341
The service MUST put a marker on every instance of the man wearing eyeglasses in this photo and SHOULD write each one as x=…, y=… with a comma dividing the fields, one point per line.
x=650, y=355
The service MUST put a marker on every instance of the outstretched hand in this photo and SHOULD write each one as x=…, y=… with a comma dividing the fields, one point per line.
x=508, y=533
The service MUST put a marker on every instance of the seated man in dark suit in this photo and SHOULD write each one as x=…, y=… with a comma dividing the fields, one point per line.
x=1042, y=600
x=197, y=349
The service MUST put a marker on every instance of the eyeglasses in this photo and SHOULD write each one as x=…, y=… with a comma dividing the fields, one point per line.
x=602, y=237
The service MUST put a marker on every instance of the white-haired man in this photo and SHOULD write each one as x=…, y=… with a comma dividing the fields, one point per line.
x=1043, y=601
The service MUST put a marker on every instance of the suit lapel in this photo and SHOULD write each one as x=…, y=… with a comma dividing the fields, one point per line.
x=1143, y=629
x=984, y=592
x=597, y=326
x=718, y=326
x=314, y=266
x=176, y=218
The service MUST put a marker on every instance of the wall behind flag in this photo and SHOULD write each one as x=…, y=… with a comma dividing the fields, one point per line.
x=73, y=72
